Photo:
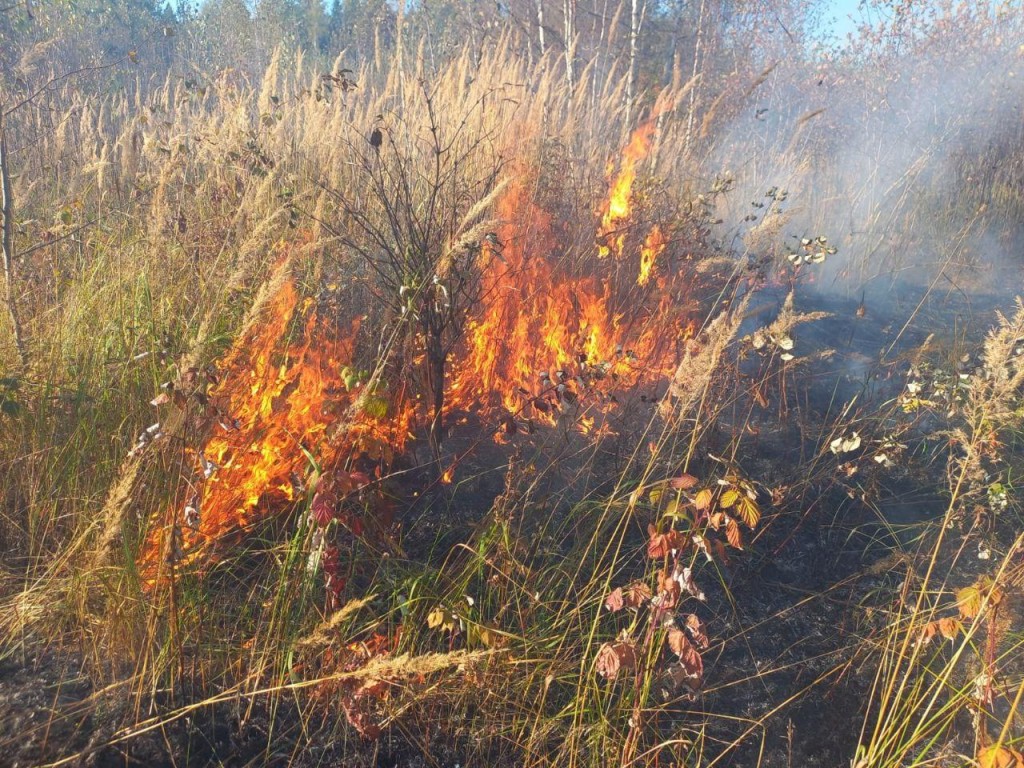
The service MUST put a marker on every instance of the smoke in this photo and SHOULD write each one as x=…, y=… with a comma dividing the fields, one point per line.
x=910, y=165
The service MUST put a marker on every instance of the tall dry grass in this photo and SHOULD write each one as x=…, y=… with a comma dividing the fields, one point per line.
x=152, y=229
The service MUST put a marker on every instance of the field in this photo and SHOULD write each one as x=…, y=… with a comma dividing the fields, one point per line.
x=554, y=385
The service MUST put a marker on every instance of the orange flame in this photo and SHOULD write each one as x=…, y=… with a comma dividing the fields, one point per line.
x=548, y=336
x=554, y=336
x=616, y=212
x=275, y=403
x=653, y=246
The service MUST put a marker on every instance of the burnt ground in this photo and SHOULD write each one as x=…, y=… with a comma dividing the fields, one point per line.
x=789, y=615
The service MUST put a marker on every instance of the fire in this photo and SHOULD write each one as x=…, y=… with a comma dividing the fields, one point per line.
x=274, y=404
x=548, y=337
x=556, y=336
x=653, y=246
x=610, y=238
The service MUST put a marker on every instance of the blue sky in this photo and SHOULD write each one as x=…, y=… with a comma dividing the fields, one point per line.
x=838, y=13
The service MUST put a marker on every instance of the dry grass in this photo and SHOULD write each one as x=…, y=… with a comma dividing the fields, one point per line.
x=168, y=220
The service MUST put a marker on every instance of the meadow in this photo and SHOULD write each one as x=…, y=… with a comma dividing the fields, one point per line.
x=503, y=404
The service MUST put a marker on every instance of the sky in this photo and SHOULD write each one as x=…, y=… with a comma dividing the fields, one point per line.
x=842, y=16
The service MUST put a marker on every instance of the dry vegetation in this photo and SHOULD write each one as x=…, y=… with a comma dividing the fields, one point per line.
x=495, y=408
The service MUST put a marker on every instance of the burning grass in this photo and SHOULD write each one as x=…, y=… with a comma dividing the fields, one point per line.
x=498, y=455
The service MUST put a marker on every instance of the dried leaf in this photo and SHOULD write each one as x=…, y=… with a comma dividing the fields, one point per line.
x=702, y=544
x=669, y=591
x=683, y=483
x=661, y=545
x=732, y=533
x=613, y=658
x=697, y=631
x=950, y=627
x=685, y=580
x=615, y=601
x=968, y=600
x=748, y=511
x=1000, y=757
x=689, y=656
x=678, y=641
x=443, y=619
x=635, y=594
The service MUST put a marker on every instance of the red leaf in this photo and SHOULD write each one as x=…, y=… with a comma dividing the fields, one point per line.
x=688, y=655
x=732, y=533
x=683, y=483
x=661, y=545
x=613, y=658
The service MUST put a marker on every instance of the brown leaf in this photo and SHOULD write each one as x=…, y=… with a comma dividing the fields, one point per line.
x=162, y=399
x=697, y=631
x=1000, y=757
x=613, y=658
x=636, y=594
x=716, y=520
x=669, y=591
x=683, y=483
x=732, y=533
x=661, y=545
x=688, y=655
x=719, y=549
x=950, y=627
x=615, y=602
x=678, y=641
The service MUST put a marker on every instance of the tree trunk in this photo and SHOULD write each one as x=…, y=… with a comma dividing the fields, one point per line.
x=7, y=210
x=697, y=51
x=540, y=26
x=634, y=35
x=569, y=12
